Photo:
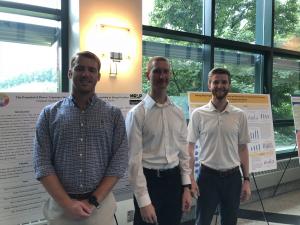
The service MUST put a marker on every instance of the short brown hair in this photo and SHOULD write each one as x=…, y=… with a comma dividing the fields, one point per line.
x=219, y=70
x=154, y=59
x=86, y=54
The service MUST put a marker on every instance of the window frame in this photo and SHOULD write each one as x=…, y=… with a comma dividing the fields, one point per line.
x=52, y=14
x=264, y=47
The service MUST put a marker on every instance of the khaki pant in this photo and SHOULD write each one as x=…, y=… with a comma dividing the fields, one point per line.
x=103, y=216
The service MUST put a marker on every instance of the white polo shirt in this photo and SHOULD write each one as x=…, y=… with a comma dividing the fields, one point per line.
x=219, y=134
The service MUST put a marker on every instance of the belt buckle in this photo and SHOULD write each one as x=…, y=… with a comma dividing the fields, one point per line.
x=158, y=173
x=222, y=173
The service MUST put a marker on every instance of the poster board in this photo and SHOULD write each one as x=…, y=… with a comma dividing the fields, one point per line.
x=21, y=195
x=262, y=153
x=296, y=114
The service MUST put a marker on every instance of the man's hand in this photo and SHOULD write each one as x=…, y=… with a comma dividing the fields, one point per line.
x=148, y=214
x=246, y=191
x=195, y=189
x=186, y=200
x=79, y=209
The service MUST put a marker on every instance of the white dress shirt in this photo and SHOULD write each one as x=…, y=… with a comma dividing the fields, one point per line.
x=219, y=134
x=157, y=140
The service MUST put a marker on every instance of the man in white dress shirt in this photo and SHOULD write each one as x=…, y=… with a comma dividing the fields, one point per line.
x=159, y=169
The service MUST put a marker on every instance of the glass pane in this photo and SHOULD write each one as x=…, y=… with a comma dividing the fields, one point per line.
x=241, y=65
x=29, y=54
x=285, y=138
x=186, y=63
x=287, y=24
x=28, y=68
x=174, y=14
x=286, y=73
x=28, y=20
x=55, y=4
x=235, y=20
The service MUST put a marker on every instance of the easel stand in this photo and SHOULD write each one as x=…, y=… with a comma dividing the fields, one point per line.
x=279, y=182
x=258, y=192
x=260, y=199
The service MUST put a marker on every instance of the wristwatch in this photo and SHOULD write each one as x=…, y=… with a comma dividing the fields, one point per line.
x=246, y=178
x=189, y=186
x=93, y=201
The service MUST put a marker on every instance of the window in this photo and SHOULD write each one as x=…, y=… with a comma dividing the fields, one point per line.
x=238, y=36
x=185, y=59
x=30, y=47
x=241, y=66
x=285, y=138
x=235, y=20
x=287, y=24
x=174, y=14
x=286, y=82
x=36, y=70
x=55, y=4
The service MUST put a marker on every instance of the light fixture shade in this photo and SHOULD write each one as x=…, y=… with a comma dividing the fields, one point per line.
x=113, y=69
x=116, y=56
x=114, y=43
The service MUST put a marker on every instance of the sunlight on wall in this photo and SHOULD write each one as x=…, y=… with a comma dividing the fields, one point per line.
x=116, y=37
x=117, y=16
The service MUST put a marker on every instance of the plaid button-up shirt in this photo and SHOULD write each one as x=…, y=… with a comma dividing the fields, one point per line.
x=80, y=147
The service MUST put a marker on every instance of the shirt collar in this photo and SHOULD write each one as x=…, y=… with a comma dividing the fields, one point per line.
x=149, y=102
x=91, y=101
x=211, y=107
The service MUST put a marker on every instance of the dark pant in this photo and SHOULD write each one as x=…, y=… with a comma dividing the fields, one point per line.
x=217, y=188
x=165, y=192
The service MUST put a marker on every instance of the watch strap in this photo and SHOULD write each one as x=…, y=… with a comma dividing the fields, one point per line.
x=93, y=201
x=246, y=178
x=189, y=186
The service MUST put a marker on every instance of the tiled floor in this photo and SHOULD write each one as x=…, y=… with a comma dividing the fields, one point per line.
x=284, y=208
x=280, y=210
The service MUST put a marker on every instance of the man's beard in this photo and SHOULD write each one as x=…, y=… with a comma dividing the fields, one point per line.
x=218, y=96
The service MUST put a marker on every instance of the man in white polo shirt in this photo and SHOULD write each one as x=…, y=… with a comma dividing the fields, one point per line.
x=222, y=131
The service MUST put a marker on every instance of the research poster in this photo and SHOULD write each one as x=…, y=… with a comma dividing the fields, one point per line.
x=21, y=195
x=296, y=114
x=257, y=107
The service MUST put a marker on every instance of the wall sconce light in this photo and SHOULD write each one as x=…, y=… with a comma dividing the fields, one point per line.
x=115, y=42
x=105, y=26
x=115, y=57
